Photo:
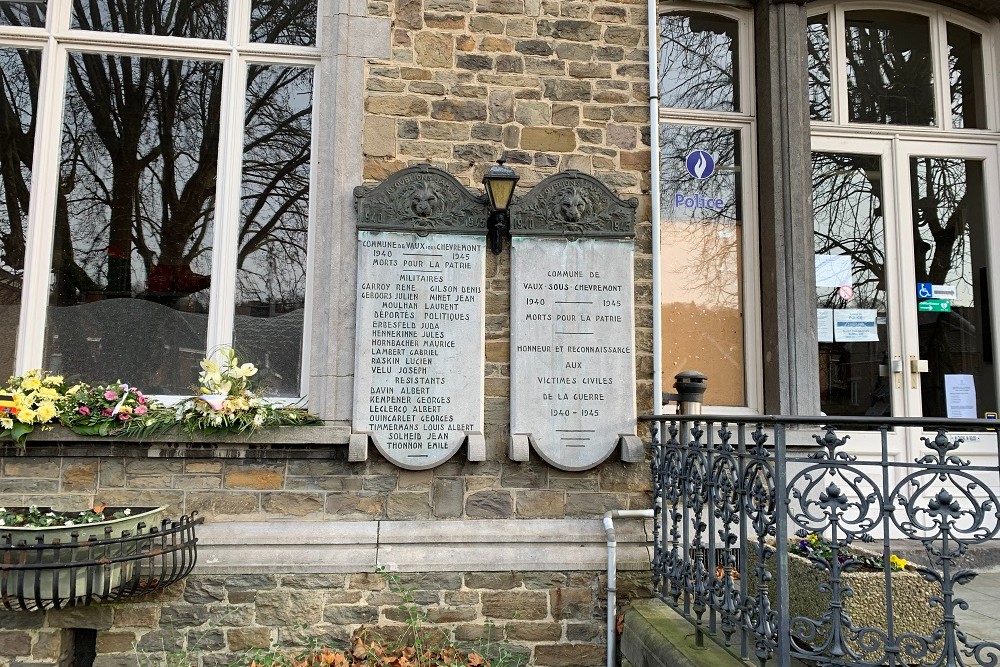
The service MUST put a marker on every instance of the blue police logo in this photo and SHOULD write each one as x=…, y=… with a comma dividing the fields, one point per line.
x=700, y=164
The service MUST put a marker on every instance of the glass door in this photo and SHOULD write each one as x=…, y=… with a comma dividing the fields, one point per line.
x=904, y=266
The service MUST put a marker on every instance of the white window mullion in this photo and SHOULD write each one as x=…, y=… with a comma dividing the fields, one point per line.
x=941, y=72
x=42, y=212
x=227, y=208
x=311, y=239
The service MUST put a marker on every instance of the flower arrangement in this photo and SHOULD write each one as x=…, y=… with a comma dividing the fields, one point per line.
x=814, y=546
x=35, y=398
x=225, y=400
x=106, y=409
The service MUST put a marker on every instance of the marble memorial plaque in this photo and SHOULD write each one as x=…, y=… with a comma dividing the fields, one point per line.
x=572, y=347
x=418, y=388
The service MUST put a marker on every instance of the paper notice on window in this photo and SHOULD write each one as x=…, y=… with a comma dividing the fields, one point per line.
x=855, y=325
x=960, y=395
x=824, y=325
x=833, y=270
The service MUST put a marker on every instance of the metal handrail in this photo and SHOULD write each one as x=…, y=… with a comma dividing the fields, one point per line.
x=734, y=493
x=62, y=574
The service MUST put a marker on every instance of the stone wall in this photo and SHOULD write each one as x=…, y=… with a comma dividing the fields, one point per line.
x=549, y=85
x=552, y=619
x=255, y=487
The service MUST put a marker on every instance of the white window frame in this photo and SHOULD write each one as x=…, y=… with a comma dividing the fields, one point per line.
x=744, y=122
x=236, y=53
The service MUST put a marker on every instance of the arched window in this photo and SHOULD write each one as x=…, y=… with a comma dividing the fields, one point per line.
x=707, y=222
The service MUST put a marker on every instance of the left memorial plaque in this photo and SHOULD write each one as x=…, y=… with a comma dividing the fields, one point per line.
x=418, y=388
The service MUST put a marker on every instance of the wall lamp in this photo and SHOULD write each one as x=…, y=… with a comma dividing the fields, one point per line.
x=499, y=182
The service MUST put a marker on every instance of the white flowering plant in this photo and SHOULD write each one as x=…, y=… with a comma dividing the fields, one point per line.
x=226, y=399
x=37, y=398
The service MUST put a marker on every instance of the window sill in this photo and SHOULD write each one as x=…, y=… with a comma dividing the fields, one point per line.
x=282, y=442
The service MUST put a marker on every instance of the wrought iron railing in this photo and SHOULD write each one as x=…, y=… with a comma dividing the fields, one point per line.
x=779, y=537
x=83, y=571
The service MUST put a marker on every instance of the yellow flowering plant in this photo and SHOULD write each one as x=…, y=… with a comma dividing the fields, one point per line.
x=813, y=545
x=35, y=398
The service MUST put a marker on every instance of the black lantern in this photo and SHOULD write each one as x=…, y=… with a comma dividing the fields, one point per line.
x=499, y=182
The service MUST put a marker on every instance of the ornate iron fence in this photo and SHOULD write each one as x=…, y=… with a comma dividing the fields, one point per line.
x=53, y=575
x=779, y=538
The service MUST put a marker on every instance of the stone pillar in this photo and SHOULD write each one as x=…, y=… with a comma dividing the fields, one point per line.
x=788, y=299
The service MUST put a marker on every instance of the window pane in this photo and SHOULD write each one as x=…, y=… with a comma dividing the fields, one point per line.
x=283, y=22
x=818, y=43
x=129, y=293
x=965, y=73
x=205, y=19
x=889, y=77
x=699, y=66
x=19, y=71
x=850, y=231
x=701, y=240
x=26, y=14
x=949, y=248
x=271, y=275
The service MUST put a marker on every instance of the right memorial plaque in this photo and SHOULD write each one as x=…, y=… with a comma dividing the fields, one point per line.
x=572, y=323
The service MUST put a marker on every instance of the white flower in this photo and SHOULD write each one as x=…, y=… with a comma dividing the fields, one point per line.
x=258, y=419
x=127, y=512
x=2, y=522
x=69, y=523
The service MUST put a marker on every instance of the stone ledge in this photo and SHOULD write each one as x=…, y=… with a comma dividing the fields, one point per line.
x=282, y=442
x=496, y=545
x=657, y=636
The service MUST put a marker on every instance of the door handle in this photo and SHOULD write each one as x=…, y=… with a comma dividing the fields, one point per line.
x=896, y=368
x=917, y=366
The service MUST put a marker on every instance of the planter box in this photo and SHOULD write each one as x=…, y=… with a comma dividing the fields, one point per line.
x=50, y=564
x=867, y=607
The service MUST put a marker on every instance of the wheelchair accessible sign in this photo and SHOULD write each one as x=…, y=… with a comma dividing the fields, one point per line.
x=935, y=298
x=701, y=166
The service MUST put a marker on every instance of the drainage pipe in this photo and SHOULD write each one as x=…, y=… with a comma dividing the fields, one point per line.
x=609, y=533
x=654, y=209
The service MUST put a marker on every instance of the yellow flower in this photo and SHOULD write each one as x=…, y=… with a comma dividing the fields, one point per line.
x=6, y=423
x=47, y=411
x=901, y=563
x=813, y=538
x=26, y=416
x=53, y=379
x=244, y=371
x=31, y=384
x=48, y=392
x=74, y=389
x=21, y=402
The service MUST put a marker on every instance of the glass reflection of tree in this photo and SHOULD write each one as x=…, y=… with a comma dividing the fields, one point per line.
x=712, y=271
x=889, y=68
x=847, y=216
x=698, y=68
x=19, y=76
x=818, y=47
x=941, y=224
x=284, y=22
x=204, y=19
x=26, y=14
x=275, y=201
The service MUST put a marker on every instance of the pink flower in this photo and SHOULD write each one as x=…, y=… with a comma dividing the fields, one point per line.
x=110, y=395
x=124, y=416
x=142, y=399
x=83, y=410
x=107, y=412
x=140, y=410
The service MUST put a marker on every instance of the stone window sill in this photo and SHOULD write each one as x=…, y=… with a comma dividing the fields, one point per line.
x=283, y=442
